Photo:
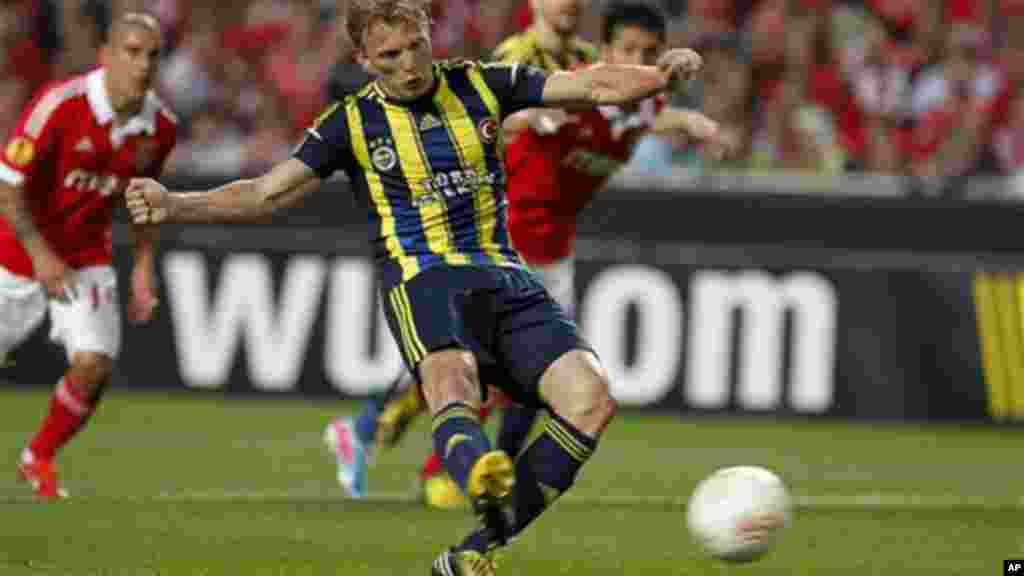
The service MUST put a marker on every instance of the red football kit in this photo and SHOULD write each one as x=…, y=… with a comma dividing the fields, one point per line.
x=73, y=164
x=552, y=177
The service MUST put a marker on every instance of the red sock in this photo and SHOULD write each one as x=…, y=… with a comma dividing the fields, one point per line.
x=431, y=466
x=70, y=408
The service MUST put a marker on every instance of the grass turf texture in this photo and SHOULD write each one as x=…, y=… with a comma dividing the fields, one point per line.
x=206, y=485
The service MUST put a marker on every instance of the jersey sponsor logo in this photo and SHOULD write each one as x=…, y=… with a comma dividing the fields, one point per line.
x=488, y=129
x=453, y=184
x=85, y=181
x=20, y=152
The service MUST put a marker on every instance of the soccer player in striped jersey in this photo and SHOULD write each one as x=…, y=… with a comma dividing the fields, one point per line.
x=423, y=147
x=555, y=162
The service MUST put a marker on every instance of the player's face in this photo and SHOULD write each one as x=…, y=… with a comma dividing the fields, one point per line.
x=399, y=52
x=562, y=15
x=633, y=45
x=131, y=61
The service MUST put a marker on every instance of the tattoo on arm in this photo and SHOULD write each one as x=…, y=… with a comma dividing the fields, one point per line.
x=13, y=209
x=24, y=226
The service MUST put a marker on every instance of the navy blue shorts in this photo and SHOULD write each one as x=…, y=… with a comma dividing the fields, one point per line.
x=504, y=316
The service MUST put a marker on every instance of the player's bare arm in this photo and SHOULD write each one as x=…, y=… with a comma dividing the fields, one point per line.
x=242, y=200
x=143, y=279
x=619, y=84
x=49, y=269
x=697, y=127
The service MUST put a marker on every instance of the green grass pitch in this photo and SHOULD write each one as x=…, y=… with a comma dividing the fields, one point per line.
x=201, y=484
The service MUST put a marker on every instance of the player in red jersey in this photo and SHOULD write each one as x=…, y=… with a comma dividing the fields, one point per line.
x=555, y=163
x=77, y=145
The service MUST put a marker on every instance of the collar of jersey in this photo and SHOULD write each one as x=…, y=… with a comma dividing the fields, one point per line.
x=428, y=96
x=99, y=100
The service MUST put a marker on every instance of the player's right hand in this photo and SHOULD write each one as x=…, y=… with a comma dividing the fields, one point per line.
x=681, y=65
x=147, y=201
x=57, y=278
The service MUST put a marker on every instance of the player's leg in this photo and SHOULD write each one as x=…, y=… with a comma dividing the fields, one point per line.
x=559, y=278
x=352, y=441
x=549, y=361
x=441, y=320
x=89, y=328
x=401, y=407
x=438, y=490
x=451, y=388
x=445, y=323
x=22, y=310
x=575, y=388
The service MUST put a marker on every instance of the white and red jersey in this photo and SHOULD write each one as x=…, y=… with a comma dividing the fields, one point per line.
x=552, y=177
x=73, y=164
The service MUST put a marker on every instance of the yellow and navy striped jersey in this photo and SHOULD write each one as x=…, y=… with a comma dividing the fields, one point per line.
x=430, y=171
x=523, y=48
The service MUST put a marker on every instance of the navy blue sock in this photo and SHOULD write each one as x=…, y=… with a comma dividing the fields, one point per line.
x=543, y=473
x=516, y=423
x=459, y=440
x=366, y=422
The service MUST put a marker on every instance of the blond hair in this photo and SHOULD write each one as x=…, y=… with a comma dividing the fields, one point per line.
x=361, y=12
x=142, y=20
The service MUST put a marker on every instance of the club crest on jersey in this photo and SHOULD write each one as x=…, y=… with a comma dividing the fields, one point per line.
x=488, y=129
x=20, y=152
x=383, y=154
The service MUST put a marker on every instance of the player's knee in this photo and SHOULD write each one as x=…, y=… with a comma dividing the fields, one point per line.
x=595, y=407
x=576, y=387
x=450, y=376
x=92, y=369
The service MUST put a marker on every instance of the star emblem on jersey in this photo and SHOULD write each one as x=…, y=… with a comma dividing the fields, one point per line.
x=84, y=146
x=20, y=152
x=488, y=128
x=429, y=122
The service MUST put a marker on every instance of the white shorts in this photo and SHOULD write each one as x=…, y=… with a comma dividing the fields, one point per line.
x=89, y=323
x=559, y=279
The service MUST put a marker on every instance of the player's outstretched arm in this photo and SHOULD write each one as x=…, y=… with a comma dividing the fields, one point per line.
x=242, y=200
x=690, y=123
x=619, y=84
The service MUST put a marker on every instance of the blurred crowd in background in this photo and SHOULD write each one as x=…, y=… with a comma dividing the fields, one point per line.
x=919, y=87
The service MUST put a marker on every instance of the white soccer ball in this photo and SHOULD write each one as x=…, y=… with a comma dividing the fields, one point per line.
x=736, y=513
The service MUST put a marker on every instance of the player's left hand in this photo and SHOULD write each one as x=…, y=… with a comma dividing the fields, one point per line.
x=143, y=300
x=681, y=65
